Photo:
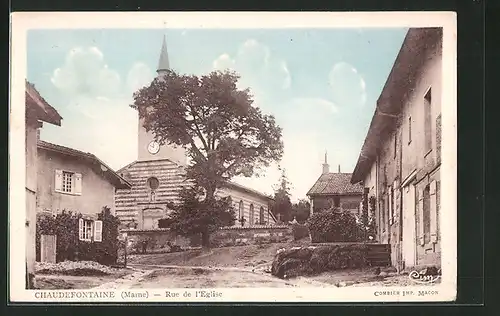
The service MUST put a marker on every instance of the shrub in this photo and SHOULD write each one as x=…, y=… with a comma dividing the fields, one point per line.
x=299, y=231
x=334, y=226
x=69, y=247
x=309, y=261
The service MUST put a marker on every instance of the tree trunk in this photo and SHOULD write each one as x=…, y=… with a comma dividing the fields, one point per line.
x=205, y=240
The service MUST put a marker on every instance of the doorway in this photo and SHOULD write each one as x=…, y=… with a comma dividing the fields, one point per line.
x=409, y=226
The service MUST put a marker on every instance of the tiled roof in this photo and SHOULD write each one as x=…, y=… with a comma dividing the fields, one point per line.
x=335, y=183
x=236, y=186
x=35, y=103
x=410, y=58
x=110, y=174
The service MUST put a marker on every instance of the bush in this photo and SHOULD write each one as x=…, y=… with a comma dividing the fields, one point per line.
x=314, y=260
x=69, y=247
x=334, y=226
x=299, y=231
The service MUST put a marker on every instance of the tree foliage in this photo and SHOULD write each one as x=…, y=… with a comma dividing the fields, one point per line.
x=224, y=133
x=282, y=204
x=194, y=215
x=301, y=210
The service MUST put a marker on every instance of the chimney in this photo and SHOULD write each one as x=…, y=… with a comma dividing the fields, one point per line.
x=339, y=168
x=326, y=167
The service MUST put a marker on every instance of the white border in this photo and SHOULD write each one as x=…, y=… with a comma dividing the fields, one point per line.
x=22, y=22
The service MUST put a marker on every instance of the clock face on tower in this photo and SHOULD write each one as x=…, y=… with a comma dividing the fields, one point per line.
x=153, y=147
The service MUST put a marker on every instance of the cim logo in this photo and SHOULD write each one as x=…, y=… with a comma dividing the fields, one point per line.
x=425, y=276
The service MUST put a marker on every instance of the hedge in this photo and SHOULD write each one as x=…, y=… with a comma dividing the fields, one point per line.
x=300, y=231
x=335, y=226
x=65, y=226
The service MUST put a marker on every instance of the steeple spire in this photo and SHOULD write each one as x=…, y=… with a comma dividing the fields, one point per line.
x=163, y=64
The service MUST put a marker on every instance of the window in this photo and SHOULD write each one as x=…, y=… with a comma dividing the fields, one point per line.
x=427, y=122
x=153, y=183
x=393, y=198
x=427, y=214
x=336, y=201
x=240, y=211
x=409, y=130
x=261, y=216
x=383, y=211
x=252, y=219
x=67, y=185
x=89, y=230
x=68, y=182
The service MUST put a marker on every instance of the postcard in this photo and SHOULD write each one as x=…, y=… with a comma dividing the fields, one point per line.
x=233, y=157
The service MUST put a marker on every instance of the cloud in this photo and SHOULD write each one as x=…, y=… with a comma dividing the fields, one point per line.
x=224, y=62
x=258, y=69
x=105, y=127
x=348, y=86
x=139, y=76
x=97, y=117
x=84, y=72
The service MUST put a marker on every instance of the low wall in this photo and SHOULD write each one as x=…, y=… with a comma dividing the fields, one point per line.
x=251, y=235
x=156, y=240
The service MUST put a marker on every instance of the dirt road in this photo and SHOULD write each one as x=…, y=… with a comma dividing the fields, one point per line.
x=183, y=277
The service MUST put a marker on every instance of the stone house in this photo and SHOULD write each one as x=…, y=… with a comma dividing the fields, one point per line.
x=37, y=112
x=76, y=181
x=158, y=175
x=400, y=160
x=334, y=190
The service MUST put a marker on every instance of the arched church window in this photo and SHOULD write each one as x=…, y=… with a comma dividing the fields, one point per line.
x=240, y=210
x=153, y=183
x=261, y=216
x=252, y=219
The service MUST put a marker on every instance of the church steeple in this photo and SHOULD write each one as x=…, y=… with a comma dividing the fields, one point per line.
x=149, y=149
x=163, y=63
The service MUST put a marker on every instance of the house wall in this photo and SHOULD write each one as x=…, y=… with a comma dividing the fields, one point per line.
x=96, y=193
x=321, y=203
x=392, y=168
x=131, y=204
x=31, y=188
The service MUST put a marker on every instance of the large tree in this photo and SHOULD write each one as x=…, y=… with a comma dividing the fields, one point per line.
x=224, y=133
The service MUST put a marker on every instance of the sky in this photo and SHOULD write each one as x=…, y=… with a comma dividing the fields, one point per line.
x=320, y=84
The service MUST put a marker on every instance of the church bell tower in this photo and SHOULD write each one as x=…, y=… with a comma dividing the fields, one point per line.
x=149, y=149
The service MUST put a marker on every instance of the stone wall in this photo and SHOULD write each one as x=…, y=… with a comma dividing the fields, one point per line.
x=157, y=239
x=251, y=235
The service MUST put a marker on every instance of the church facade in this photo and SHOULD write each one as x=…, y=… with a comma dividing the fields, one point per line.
x=158, y=175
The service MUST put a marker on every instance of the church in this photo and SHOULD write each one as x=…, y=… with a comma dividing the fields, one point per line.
x=158, y=174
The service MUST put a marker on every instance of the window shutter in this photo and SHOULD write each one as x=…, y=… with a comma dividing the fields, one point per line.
x=78, y=183
x=421, y=232
x=80, y=229
x=390, y=206
x=433, y=210
x=98, y=231
x=58, y=180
